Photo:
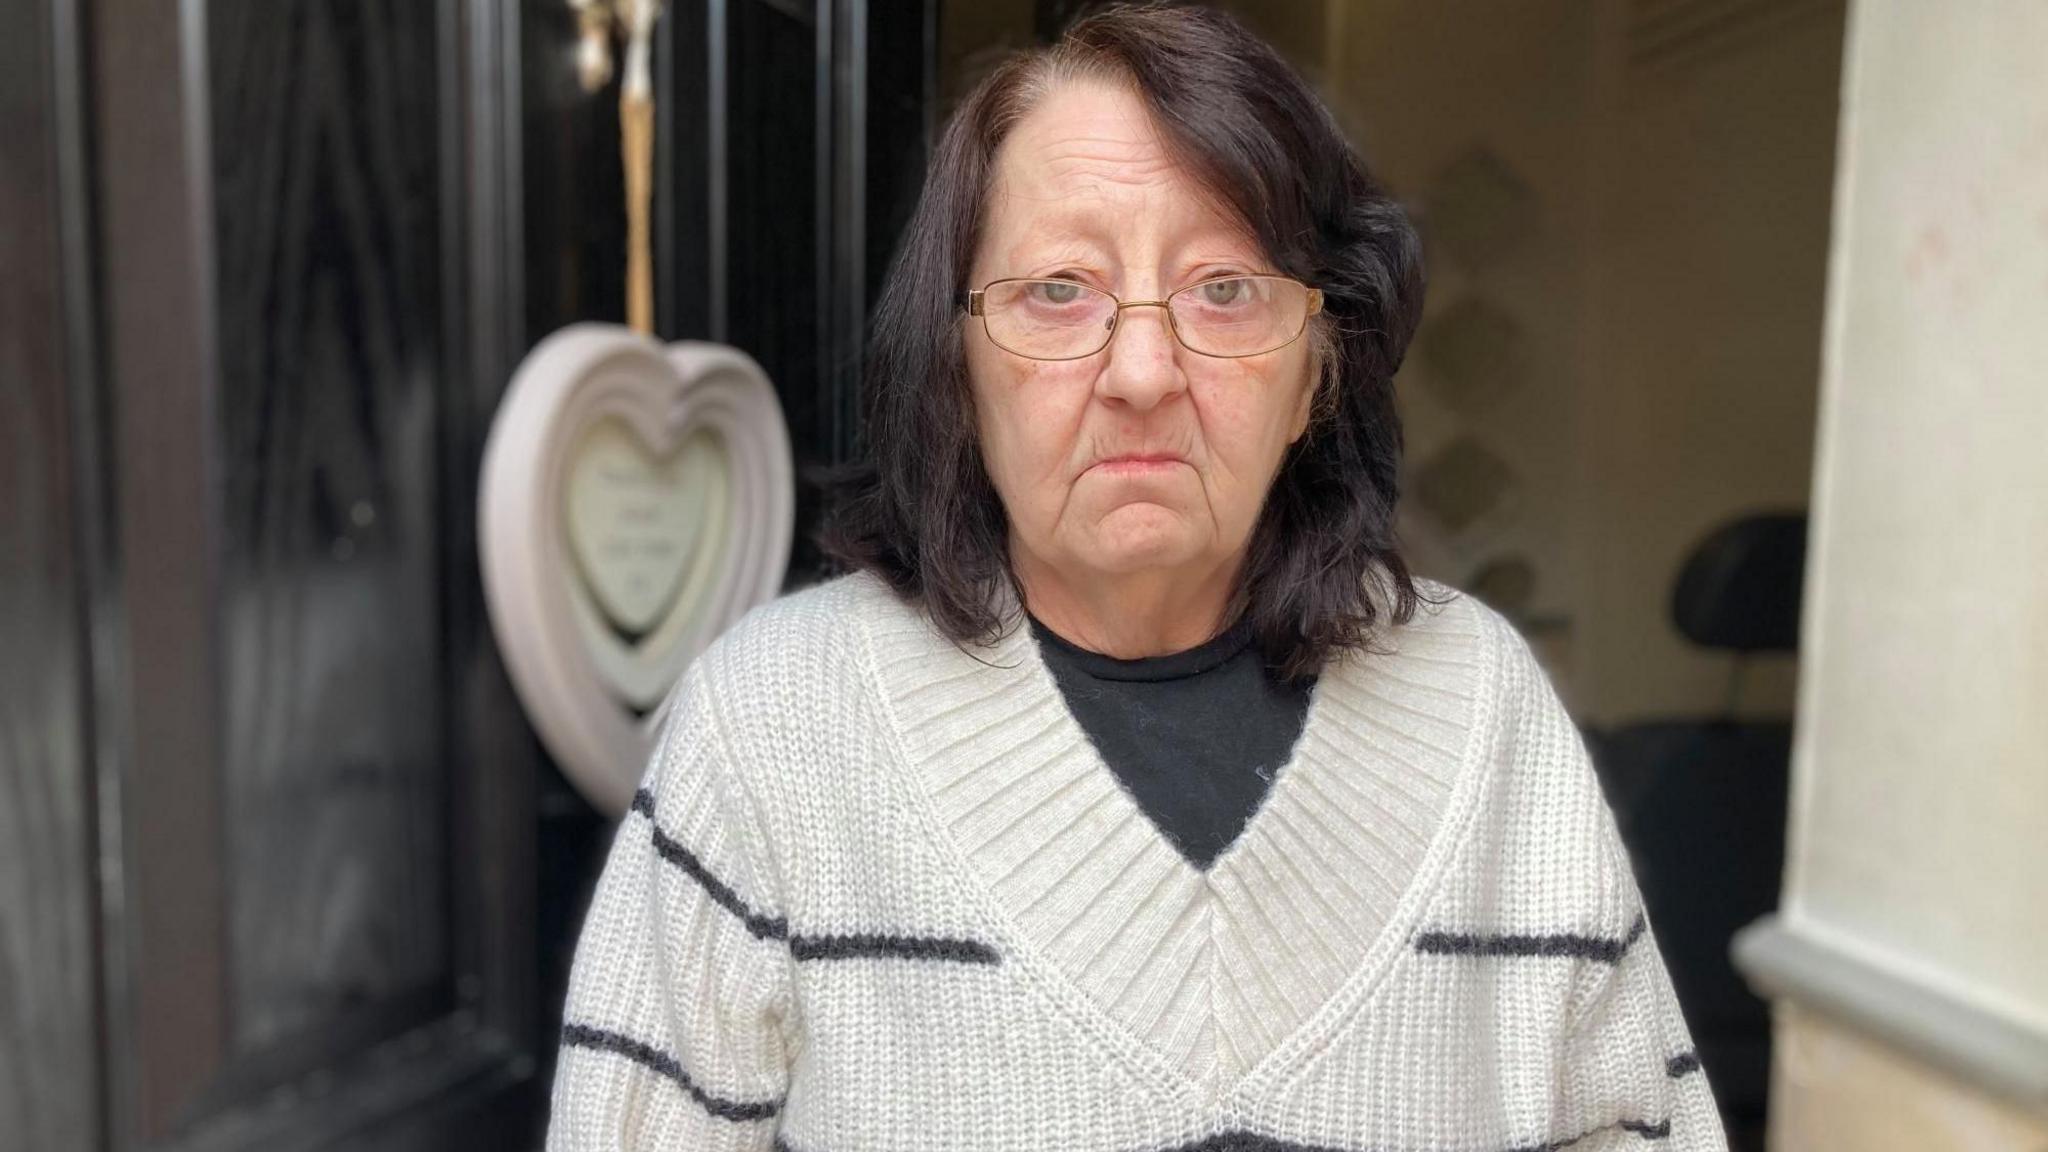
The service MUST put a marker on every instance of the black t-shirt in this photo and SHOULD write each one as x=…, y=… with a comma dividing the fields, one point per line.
x=1196, y=736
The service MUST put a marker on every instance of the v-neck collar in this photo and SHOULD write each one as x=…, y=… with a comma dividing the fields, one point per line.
x=1207, y=980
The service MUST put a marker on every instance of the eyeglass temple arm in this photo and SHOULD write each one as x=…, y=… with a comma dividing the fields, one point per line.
x=974, y=302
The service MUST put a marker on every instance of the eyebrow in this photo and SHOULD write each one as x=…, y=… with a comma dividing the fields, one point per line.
x=1050, y=240
x=1062, y=229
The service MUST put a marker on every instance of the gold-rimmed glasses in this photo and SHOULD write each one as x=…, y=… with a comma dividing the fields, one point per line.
x=1226, y=316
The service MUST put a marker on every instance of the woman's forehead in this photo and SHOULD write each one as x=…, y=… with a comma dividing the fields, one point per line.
x=1087, y=166
x=1088, y=129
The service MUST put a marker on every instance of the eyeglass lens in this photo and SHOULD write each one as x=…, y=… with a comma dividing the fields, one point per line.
x=1066, y=320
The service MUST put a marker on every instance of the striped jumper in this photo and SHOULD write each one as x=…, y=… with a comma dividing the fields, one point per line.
x=879, y=893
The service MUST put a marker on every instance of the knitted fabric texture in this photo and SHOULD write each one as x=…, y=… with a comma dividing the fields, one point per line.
x=879, y=893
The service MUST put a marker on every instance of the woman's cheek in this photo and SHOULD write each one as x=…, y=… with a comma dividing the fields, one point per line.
x=1046, y=403
x=1025, y=447
x=1228, y=427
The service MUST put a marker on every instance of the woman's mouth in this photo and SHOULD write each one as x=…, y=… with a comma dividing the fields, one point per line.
x=1139, y=463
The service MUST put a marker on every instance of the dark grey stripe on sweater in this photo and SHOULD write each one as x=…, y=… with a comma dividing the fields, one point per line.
x=1643, y=1128
x=765, y=927
x=648, y=1056
x=1239, y=1140
x=881, y=944
x=1606, y=950
x=835, y=947
x=1683, y=1064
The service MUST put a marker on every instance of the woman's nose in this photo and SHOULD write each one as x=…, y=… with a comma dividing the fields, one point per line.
x=1144, y=361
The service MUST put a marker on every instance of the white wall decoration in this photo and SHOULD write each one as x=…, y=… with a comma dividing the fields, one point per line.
x=636, y=499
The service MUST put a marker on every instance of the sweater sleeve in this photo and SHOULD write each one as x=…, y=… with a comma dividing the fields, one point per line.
x=672, y=1031
x=1631, y=1056
x=1629, y=1051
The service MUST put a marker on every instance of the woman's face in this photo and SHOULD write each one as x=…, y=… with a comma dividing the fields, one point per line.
x=1085, y=189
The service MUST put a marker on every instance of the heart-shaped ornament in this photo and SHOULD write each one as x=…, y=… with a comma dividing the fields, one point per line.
x=636, y=499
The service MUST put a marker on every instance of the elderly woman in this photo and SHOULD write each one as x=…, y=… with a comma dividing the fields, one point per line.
x=1127, y=793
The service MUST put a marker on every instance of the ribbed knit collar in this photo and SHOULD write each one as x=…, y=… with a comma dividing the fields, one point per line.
x=1209, y=978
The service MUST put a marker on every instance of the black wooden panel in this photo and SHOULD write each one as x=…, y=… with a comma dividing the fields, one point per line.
x=683, y=257
x=325, y=136
x=902, y=110
x=771, y=183
x=154, y=707
x=575, y=227
x=48, y=1072
x=319, y=814
x=885, y=93
x=497, y=758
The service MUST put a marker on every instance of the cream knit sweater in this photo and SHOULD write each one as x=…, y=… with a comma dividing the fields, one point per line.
x=880, y=894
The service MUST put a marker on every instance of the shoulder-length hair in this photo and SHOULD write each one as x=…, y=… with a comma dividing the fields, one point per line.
x=917, y=506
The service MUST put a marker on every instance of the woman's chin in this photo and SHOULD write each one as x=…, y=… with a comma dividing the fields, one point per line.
x=1132, y=540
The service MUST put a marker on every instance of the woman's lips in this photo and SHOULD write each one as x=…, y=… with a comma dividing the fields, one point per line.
x=1138, y=464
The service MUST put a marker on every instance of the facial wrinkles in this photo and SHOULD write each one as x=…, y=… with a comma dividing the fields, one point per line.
x=1130, y=238
x=1104, y=168
x=1111, y=171
x=1112, y=160
x=1132, y=228
x=1105, y=200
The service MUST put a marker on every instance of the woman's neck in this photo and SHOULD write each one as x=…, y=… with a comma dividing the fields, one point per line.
x=1151, y=612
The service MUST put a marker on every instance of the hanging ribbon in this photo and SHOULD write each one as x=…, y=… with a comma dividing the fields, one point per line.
x=636, y=129
x=595, y=20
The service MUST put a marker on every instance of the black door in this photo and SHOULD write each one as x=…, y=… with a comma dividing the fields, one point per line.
x=283, y=865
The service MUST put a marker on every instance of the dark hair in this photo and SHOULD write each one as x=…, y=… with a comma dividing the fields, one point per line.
x=918, y=507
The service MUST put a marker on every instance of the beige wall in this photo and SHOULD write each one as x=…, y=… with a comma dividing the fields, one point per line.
x=1836, y=1090
x=1666, y=295
x=1708, y=268
x=1434, y=93
x=1923, y=750
x=1920, y=824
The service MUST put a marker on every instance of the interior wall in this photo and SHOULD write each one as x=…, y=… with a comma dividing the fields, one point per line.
x=1479, y=116
x=1624, y=309
x=1708, y=253
x=1921, y=790
x=1837, y=1091
x=1920, y=795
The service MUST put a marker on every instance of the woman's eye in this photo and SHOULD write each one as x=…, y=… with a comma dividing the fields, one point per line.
x=1223, y=291
x=1056, y=292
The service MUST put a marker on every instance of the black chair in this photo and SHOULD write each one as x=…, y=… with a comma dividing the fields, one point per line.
x=1701, y=802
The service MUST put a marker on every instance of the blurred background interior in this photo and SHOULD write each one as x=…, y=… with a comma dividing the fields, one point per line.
x=1727, y=300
